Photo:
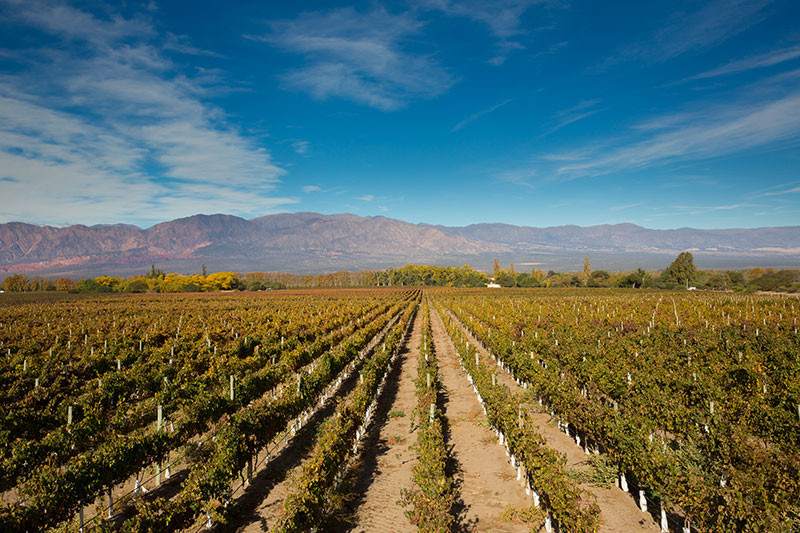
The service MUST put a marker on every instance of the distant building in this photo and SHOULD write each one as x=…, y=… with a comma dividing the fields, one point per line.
x=493, y=285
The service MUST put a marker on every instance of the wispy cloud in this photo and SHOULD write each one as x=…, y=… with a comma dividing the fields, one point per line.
x=503, y=18
x=727, y=207
x=359, y=57
x=182, y=45
x=367, y=198
x=753, y=62
x=709, y=130
x=706, y=27
x=100, y=126
x=311, y=188
x=573, y=114
x=625, y=206
x=792, y=190
x=479, y=114
x=301, y=147
x=523, y=177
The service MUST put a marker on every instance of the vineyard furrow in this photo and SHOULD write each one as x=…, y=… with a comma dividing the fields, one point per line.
x=618, y=510
x=485, y=479
x=384, y=468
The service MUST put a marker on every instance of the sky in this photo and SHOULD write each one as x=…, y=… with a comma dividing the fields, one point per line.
x=539, y=113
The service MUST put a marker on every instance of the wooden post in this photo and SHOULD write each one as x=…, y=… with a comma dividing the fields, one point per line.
x=110, y=503
x=69, y=415
x=232, y=393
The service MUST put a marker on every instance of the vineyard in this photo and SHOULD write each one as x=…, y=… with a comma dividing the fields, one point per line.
x=401, y=410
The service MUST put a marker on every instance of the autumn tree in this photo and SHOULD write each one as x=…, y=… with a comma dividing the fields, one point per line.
x=15, y=283
x=64, y=284
x=496, y=268
x=587, y=271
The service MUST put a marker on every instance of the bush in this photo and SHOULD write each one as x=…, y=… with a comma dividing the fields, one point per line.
x=255, y=286
x=90, y=286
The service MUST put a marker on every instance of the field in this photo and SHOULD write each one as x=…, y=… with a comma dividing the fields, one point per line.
x=401, y=409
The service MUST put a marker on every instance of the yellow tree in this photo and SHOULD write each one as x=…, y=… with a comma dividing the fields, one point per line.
x=587, y=271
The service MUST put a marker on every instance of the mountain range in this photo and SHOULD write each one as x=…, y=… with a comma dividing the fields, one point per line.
x=316, y=243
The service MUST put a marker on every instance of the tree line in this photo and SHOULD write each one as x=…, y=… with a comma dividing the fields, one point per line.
x=681, y=273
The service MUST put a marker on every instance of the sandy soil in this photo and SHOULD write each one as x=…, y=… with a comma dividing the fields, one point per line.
x=486, y=480
x=385, y=467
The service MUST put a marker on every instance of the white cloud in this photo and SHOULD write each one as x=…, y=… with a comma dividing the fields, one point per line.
x=479, y=114
x=301, y=147
x=311, y=188
x=367, y=198
x=625, y=206
x=503, y=17
x=181, y=44
x=574, y=114
x=704, y=28
x=359, y=57
x=522, y=177
x=782, y=192
x=705, y=132
x=101, y=126
x=753, y=62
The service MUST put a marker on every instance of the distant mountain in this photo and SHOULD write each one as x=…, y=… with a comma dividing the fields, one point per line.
x=633, y=238
x=313, y=243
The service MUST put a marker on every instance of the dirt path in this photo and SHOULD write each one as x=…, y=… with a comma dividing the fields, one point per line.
x=385, y=467
x=618, y=510
x=484, y=475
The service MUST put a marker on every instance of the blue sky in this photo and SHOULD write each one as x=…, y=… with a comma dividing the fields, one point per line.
x=541, y=113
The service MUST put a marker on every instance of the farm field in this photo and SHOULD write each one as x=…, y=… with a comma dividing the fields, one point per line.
x=401, y=409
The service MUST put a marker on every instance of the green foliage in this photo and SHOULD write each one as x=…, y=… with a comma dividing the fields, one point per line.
x=505, y=279
x=682, y=270
x=782, y=280
x=90, y=286
x=635, y=280
x=427, y=275
x=603, y=471
x=599, y=278
x=434, y=493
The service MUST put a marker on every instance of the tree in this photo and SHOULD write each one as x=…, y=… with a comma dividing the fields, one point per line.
x=137, y=286
x=637, y=279
x=526, y=280
x=587, y=270
x=155, y=273
x=15, y=283
x=496, y=268
x=204, y=270
x=505, y=279
x=64, y=284
x=599, y=278
x=682, y=270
